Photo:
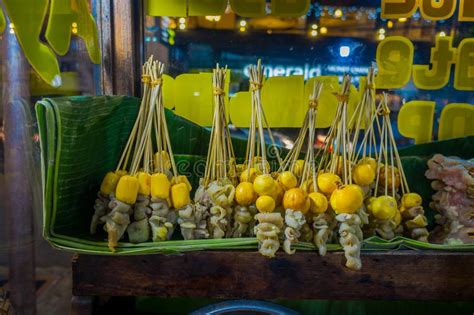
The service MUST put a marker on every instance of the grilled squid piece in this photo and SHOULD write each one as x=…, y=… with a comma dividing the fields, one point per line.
x=192, y=221
x=139, y=230
x=323, y=225
x=348, y=238
x=218, y=221
x=268, y=232
x=116, y=222
x=306, y=231
x=221, y=194
x=385, y=228
x=415, y=223
x=242, y=219
x=162, y=220
x=294, y=221
x=101, y=208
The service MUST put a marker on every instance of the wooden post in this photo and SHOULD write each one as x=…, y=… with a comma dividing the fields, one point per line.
x=121, y=40
x=18, y=191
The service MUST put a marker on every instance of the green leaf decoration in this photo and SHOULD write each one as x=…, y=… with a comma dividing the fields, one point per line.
x=72, y=16
x=27, y=17
x=82, y=137
x=3, y=22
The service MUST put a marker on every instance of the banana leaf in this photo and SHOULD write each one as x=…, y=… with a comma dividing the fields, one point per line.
x=82, y=137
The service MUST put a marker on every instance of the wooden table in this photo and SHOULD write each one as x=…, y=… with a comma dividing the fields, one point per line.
x=398, y=275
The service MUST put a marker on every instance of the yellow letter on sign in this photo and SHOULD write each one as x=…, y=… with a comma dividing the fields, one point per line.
x=464, y=73
x=466, y=10
x=437, y=9
x=248, y=8
x=165, y=7
x=394, y=61
x=206, y=7
x=240, y=109
x=290, y=8
x=284, y=109
x=443, y=56
x=398, y=8
x=457, y=120
x=415, y=120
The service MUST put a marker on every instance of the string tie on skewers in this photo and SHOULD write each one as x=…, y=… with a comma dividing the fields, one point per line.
x=156, y=82
x=218, y=91
x=146, y=78
x=255, y=85
x=313, y=103
x=383, y=111
x=342, y=97
x=370, y=86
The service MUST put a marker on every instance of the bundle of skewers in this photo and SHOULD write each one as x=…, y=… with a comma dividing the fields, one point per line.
x=214, y=198
x=142, y=195
x=258, y=190
x=377, y=168
x=334, y=180
x=313, y=196
x=302, y=201
x=394, y=210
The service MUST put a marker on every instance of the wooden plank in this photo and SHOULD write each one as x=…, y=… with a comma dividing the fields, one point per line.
x=406, y=275
x=126, y=47
x=120, y=27
x=103, y=73
x=18, y=191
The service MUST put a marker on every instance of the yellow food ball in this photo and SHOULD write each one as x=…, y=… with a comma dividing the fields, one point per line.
x=347, y=199
x=328, y=182
x=288, y=180
x=368, y=202
x=306, y=207
x=109, y=183
x=368, y=161
x=248, y=175
x=384, y=207
x=261, y=168
x=279, y=192
x=294, y=199
x=265, y=204
x=363, y=174
x=245, y=194
x=127, y=189
x=240, y=168
x=319, y=202
x=160, y=186
x=389, y=177
x=180, y=195
x=340, y=166
x=298, y=168
x=308, y=186
x=144, y=183
x=121, y=173
x=265, y=185
x=411, y=200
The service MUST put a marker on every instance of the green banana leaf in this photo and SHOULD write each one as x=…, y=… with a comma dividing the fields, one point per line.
x=82, y=138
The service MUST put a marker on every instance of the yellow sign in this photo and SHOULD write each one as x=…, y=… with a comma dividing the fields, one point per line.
x=429, y=9
x=244, y=8
x=395, y=64
x=285, y=100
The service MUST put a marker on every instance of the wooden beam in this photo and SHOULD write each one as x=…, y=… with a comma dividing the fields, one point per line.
x=17, y=185
x=120, y=27
x=408, y=275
